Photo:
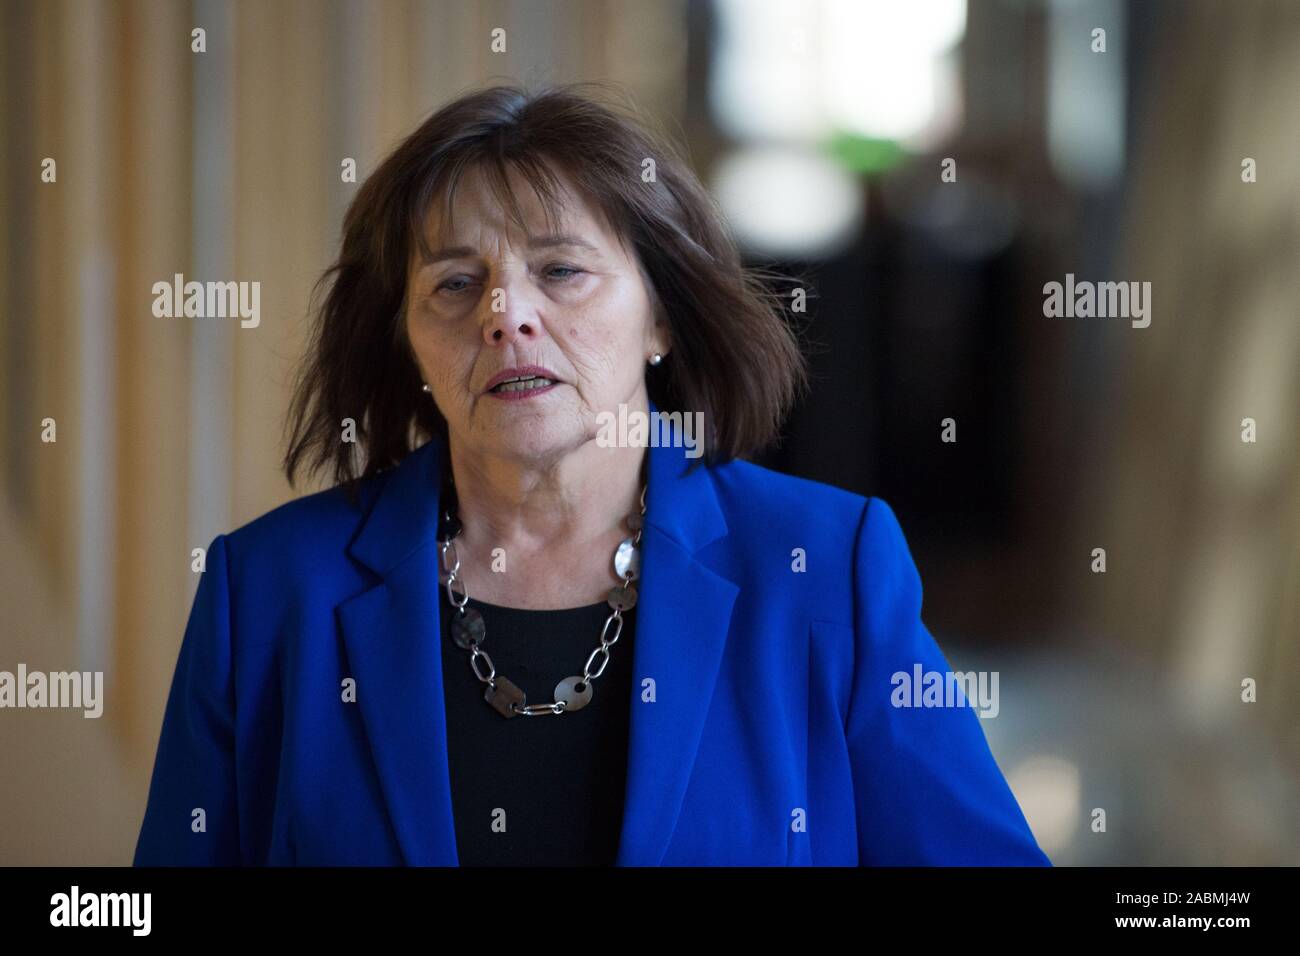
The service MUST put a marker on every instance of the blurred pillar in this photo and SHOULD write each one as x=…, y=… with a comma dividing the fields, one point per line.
x=1202, y=529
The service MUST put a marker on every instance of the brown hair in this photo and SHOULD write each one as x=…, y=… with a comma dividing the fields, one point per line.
x=734, y=356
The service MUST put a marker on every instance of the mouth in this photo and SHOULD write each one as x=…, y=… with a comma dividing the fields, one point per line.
x=522, y=383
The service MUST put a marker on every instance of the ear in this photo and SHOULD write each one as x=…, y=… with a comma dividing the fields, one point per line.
x=661, y=336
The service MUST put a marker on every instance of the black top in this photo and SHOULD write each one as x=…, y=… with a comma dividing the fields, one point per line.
x=556, y=781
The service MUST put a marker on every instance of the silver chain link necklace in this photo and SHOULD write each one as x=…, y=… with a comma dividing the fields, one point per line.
x=469, y=631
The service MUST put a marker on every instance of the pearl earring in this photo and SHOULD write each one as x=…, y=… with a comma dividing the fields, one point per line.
x=656, y=359
x=426, y=386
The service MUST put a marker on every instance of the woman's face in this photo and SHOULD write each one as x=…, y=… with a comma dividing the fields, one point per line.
x=573, y=303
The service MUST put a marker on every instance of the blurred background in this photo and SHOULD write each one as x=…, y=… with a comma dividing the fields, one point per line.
x=926, y=166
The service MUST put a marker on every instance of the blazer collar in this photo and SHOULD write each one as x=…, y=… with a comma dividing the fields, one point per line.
x=392, y=632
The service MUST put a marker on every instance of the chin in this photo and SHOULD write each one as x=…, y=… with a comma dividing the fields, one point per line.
x=537, y=438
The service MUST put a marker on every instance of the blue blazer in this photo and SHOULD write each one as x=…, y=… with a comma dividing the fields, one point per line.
x=762, y=730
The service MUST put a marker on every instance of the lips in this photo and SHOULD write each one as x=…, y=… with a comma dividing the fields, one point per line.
x=519, y=374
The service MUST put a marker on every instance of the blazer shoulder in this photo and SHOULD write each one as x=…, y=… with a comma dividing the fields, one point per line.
x=861, y=534
x=308, y=522
x=770, y=498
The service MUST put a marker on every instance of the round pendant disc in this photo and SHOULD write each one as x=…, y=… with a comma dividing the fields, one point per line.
x=627, y=560
x=621, y=598
x=467, y=628
x=567, y=691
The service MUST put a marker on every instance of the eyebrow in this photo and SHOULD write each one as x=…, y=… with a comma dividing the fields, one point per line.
x=539, y=242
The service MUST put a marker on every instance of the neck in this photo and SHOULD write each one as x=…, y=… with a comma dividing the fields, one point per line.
x=577, y=501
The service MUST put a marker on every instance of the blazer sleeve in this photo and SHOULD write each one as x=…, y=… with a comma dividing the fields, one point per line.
x=927, y=789
x=195, y=766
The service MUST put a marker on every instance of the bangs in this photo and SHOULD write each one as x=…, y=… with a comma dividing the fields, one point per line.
x=433, y=199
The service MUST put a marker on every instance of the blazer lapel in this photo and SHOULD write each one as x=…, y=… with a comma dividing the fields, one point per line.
x=392, y=631
x=392, y=634
x=683, y=618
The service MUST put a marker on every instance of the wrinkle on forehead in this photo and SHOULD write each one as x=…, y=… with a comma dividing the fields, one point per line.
x=546, y=190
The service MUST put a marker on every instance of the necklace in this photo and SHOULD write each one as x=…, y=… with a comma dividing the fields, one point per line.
x=469, y=631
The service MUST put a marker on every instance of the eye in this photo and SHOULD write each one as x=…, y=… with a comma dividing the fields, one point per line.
x=444, y=285
x=573, y=273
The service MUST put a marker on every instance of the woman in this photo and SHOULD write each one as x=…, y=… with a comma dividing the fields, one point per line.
x=537, y=638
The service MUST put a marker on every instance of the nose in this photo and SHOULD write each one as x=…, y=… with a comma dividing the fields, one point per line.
x=510, y=313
